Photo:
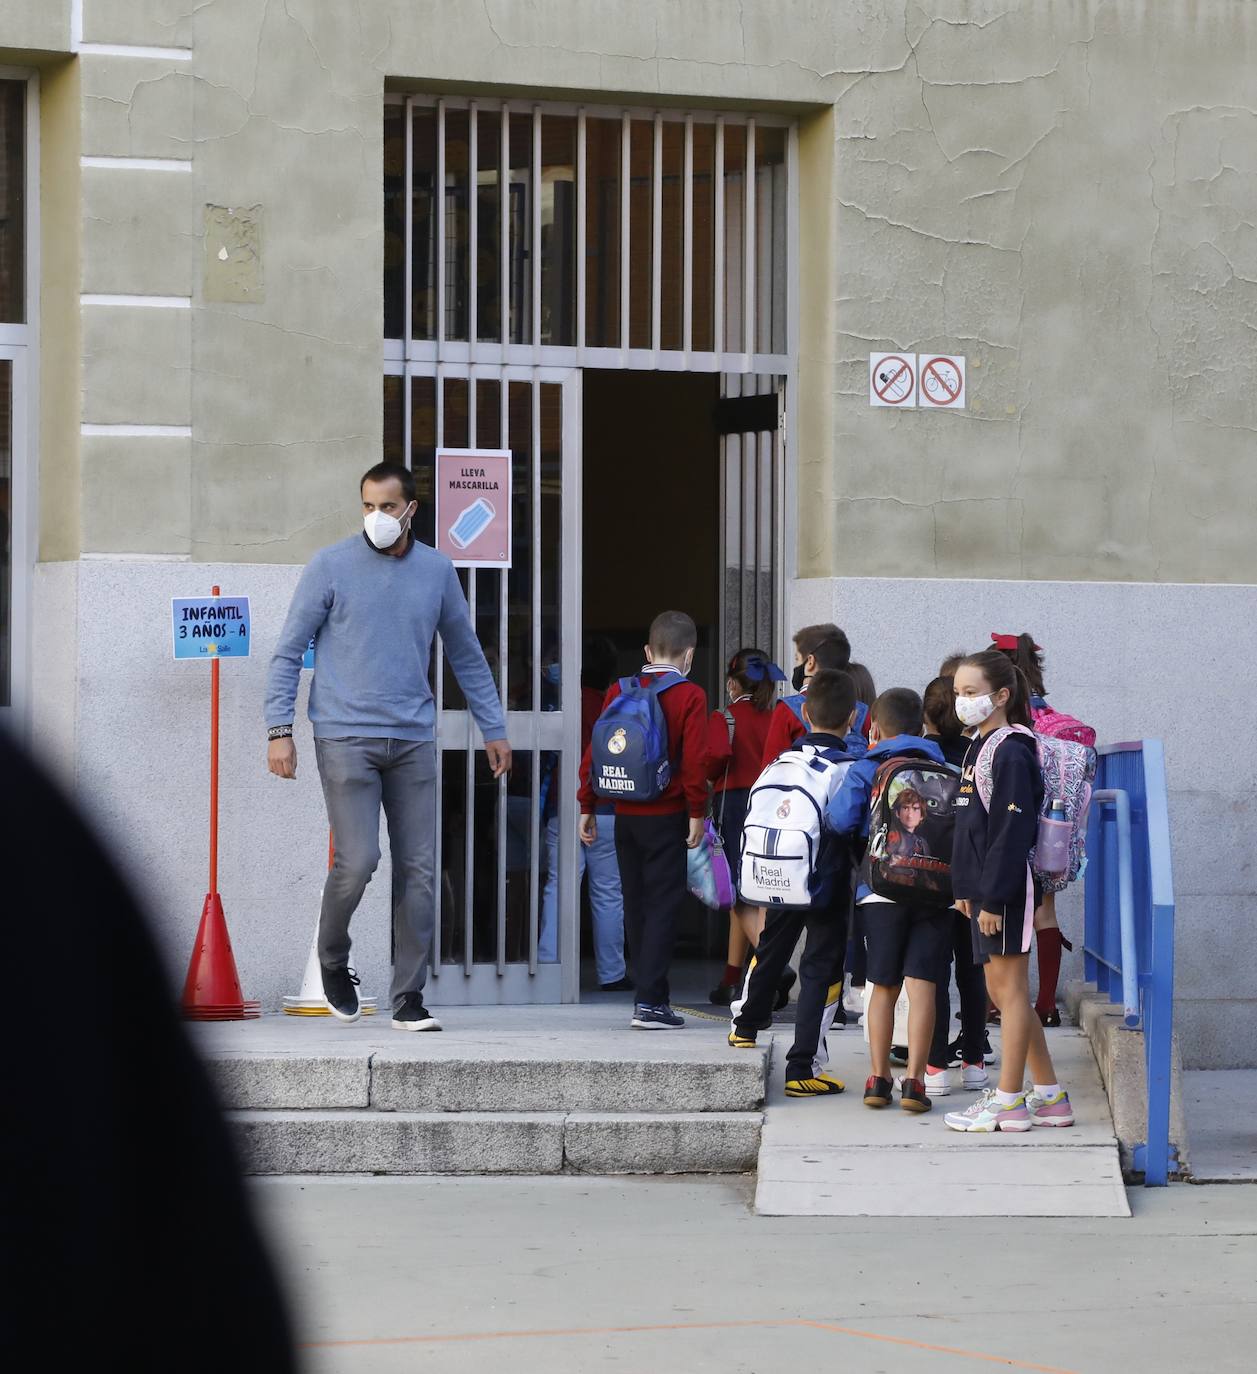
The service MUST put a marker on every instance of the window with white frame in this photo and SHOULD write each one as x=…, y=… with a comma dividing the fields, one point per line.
x=14, y=323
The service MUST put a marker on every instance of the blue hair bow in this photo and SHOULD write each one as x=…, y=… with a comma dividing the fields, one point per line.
x=757, y=669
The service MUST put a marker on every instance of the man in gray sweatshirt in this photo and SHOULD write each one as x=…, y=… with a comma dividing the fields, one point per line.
x=373, y=604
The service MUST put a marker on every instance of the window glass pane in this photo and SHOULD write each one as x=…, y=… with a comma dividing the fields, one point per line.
x=394, y=432
x=551, y=479
x=484, y=859
x=558, y=230
x=488, y=226
x=6, y=532
x=454, y=435
x=521, y=822
x=735, y=183
x=704, y=235
x=452, y=895
x=423, y=454
x=672, y=242
x=12, y=202
x=602, y=233
x=394, y=220
x=520, y=184
x=457, y=222
x=423, y=225
x=489, y=580
x=641, y=198
x=770, y=239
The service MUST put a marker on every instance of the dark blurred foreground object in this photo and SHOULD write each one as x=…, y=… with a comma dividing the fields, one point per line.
x=129, y=1243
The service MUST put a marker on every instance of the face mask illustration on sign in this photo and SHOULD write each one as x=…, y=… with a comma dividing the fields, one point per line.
x=472, y=523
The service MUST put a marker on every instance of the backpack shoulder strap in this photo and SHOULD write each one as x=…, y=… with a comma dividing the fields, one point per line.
x=729, y=722
x=795, y=703
x=984, y=769
x=660, y=682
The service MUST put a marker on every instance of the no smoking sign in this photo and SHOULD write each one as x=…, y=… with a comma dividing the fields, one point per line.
x=905, y=380
x=892, y=379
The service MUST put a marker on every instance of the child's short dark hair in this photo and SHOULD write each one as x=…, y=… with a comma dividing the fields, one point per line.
x=806, y=640
x=831, y=655
x=672, y=633
x=830, y=700
x=898, y=711
x=865, y=688
x=949, y=665
x=940, y=708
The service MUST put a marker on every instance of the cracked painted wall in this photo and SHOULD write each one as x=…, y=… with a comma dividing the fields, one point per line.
x=1061, y=190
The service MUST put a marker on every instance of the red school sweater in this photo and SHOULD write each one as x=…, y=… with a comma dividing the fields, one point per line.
x=783, y=729
x=685, y=711
x=745, y=759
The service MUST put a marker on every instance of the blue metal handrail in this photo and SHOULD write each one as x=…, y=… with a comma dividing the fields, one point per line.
x=1129, y=944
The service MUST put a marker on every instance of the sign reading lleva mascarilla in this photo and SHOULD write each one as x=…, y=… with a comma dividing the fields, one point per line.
x=211, y=627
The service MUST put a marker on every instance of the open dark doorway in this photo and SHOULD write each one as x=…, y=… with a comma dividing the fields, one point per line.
x=651, y=532
x=651, y=542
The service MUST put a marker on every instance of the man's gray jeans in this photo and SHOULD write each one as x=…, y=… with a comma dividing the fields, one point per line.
x=358, y=775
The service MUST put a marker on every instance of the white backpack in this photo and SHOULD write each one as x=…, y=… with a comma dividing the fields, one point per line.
x=783, y=837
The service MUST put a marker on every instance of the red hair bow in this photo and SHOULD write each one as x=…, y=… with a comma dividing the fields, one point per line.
x=1008, y=643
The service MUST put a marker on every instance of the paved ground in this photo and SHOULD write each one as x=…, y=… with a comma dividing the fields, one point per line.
x=568, y=1275
x=1221, y=1106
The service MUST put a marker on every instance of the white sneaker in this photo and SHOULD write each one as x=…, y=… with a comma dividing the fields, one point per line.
x=853, y=1001
x=937, y=1084
x=976, y=1078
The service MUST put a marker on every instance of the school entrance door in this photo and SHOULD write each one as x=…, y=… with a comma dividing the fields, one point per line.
x=532, y=250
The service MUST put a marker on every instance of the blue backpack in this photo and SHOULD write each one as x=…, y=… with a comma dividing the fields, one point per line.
x=629, y=748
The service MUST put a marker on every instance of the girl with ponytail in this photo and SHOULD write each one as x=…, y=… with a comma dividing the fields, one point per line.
x=995, y=888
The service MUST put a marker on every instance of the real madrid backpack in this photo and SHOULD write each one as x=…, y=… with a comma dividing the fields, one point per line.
x=785, y=849
x=629, y=748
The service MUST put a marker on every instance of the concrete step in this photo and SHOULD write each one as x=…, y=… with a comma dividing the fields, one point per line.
x=499, y=1142
x=498, y=1061
x=835, y=1157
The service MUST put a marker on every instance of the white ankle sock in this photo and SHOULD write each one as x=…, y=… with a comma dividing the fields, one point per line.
x=1006, y=1099
x=1047, y=1090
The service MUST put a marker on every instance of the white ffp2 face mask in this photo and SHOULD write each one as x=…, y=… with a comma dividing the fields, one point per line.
x=974, y=710
x=383, y=530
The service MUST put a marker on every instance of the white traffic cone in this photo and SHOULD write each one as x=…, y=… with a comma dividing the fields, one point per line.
x=310, y=1000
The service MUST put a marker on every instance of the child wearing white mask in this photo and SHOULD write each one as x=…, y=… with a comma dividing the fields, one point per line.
x=995, y=888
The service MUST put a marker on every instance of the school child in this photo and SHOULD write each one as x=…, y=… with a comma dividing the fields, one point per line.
x=832, y=654
x=660, y=802
x=943, y=726
x=853, y=998
x=1048, y=939
x=819, y=757
x=995, y=887
x=735, y=748
x=906, y=941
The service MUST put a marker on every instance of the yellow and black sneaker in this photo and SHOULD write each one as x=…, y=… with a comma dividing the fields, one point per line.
x=741, y=1040
x=821, y=1085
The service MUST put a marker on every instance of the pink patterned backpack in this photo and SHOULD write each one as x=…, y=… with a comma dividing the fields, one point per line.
x=1069, y=769
x=1058, y=725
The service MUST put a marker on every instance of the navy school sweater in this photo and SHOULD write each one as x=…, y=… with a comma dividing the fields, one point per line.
x=990, y=850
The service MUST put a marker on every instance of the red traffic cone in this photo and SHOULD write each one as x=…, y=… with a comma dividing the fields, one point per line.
x=211, y=991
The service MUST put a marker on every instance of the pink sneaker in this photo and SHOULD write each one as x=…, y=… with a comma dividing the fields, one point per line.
x=989, y=1114
x=1050, y=1111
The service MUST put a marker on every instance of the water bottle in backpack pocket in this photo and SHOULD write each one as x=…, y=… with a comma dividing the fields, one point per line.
x=912, y=820
x=1068, y=769
x=628, y=750
x=786, y=853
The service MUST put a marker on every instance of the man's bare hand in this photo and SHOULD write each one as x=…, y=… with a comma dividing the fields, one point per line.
x=963, y=908
x=499, y=755
x=588, y=829
x=697, y=826
x=281, y=757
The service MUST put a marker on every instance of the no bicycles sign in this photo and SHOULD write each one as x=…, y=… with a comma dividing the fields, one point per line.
x=908, y=380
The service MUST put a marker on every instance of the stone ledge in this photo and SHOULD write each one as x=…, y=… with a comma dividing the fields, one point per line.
x=682, y=1143
x=1120, y=1055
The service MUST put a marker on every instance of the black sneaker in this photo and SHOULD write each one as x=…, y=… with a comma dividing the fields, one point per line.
x=722, y=995
x=899, y=1055
x=412, y=1015
x=340, y=987
x=913, y=1096
x=878, y=1092
x=620, y=985
x=660, y=1017
x=787, y=980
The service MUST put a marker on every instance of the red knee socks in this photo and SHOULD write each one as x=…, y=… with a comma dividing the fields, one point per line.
x=1049, y=942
